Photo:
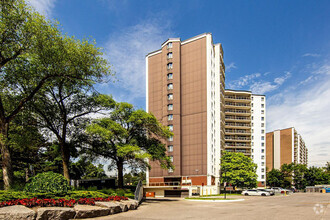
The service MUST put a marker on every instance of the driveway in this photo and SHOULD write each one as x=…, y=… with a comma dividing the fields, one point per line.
x=296, y=206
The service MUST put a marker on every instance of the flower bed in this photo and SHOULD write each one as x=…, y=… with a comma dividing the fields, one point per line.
x=59, y=202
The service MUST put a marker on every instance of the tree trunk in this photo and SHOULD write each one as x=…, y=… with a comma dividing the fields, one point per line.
x=6, y=158
x=120, y=167
x=66, y=160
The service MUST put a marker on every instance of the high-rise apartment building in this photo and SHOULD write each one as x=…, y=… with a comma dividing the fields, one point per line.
x=245, y=126
x=284, y=147
x=185, y=90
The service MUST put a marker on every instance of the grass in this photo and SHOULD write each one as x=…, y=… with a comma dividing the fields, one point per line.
x=228, y=194
x=202, y=198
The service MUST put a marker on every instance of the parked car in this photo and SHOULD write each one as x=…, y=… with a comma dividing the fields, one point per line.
x=271, y=192
x=255, y=192
x=280, y=190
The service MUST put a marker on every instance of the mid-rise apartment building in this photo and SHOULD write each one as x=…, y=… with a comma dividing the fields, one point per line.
x=245, y=126
x=284, y=147
x=185, y=90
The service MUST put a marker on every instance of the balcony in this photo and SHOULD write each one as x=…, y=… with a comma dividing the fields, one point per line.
x=238, y=105
x=237, y=132
x=237, y=125
x=237, y=99
x=237, y=112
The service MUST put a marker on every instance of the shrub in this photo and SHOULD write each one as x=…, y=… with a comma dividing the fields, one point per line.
x=48, y=182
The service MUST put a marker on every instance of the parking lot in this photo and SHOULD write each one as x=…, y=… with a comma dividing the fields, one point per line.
x=296, y=206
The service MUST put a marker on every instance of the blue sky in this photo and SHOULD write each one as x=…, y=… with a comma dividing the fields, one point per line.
x=277, y=48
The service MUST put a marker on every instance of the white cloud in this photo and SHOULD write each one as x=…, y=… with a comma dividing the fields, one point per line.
x=231, y=66
x=44, y=7
x=243, y=81
x=126, y=51
x=311, y=55
x=261, y=87
x=306, y=109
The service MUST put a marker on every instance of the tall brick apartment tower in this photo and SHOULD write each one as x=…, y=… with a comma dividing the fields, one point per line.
x=185, y=83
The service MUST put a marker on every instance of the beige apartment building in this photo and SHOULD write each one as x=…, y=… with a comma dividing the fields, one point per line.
x=245, y=126
x=283, y=147
x=185, y=83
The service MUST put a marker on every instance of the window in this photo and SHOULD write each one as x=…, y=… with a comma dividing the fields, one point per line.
x=262, y=131
x=262, y=163
x=170, y=148
x=262, y=150
x=252, y=118
x=262, y=138
x=170, y=96
x=262, y=124
x=262, y=98
x=262, y=176
x=170, y=127
x=170, y=86
x=262, y=111
x=252, y=105
x=252, y=98
x=251, y=137
x=170, y=55
x=262, y=118
x=252, y=156
x=170, y=76
x=170, y=66
x=170, y=138
x=262, y=144
x=169, y=45
x=171, y=158
x=262, y=105
x=170, y=107
x=252, y=150
x=170, y=117
x=252, y=111
x=262, y=157
x=262, y=169
x=252, y=124
x=252, y=143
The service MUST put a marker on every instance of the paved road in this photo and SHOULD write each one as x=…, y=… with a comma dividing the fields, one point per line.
x=297, y=206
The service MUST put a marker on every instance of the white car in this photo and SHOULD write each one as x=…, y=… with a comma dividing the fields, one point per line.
x=255, y=192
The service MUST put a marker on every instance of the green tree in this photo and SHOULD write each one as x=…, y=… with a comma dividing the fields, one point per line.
x=316, y=176
x=287, y=170
x=85, y=169
x=238, y=170
x=299, y=176
x=33, y=55
x=275, y=178
x=129, y=136
x=64, y=108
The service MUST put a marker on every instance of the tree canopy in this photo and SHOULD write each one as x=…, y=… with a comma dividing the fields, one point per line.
x=238, y=170
x=129, y=137
x=35, y=55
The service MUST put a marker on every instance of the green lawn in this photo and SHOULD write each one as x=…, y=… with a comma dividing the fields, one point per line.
x=232, y=194
x=202, y=198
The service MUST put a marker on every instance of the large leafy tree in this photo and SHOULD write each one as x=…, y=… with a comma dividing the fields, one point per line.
x=63, y=109
x=275, y=178
x=238, y=170
x=20, y=32
x=316, y=176
x=85, y=169
x=34, y=54
x=128, y=136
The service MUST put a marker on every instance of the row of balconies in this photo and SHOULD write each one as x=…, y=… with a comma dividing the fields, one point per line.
x=240, y=132
x=228, y=124
x=237, y=112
